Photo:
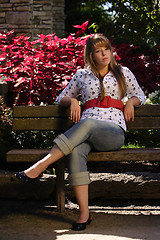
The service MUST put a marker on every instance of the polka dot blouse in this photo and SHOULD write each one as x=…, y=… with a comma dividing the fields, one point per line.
x=84, y=82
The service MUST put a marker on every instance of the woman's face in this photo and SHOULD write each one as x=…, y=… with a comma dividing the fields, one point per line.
x=101, y=56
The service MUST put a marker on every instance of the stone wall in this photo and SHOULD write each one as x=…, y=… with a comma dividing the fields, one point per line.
x=32, y=17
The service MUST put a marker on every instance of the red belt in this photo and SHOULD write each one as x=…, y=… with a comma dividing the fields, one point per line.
x=106, y=103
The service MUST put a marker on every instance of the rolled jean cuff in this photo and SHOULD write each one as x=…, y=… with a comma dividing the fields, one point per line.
x=80, y=178
x=64, y=144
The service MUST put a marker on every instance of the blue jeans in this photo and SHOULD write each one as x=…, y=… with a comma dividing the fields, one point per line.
x=86, y=135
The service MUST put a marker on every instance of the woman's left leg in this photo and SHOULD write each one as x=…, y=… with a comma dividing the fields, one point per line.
x=105, y=137
x=64, y=145
x=79, y=178
x=40, y=166
x=87, y=129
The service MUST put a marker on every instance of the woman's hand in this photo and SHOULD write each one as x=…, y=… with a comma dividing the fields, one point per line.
x=129, y=108
x=129, y=111
x=75, y=110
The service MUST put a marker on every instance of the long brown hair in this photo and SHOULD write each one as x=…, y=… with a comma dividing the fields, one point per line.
x=99, y=40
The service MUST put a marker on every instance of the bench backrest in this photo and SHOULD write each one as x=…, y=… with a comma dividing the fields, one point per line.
x=55, y=117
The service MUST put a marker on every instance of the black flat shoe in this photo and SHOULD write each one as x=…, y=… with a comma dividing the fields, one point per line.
x=81, y=226
x=24, y=178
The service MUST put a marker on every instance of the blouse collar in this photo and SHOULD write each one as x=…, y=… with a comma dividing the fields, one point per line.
x=89, y=70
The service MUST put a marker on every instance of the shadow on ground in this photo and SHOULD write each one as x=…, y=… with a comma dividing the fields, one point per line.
x=32, y=220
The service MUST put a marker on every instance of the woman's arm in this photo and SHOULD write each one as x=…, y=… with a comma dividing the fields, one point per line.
x=134, y=93
x=67, y=97
x=129, y=108
x=75, y=108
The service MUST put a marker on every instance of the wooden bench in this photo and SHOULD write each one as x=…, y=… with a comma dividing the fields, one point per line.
x=57, y=118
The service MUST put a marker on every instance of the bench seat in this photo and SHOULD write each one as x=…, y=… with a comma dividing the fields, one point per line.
x=128, y=154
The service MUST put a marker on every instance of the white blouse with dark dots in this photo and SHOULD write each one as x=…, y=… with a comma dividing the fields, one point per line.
x=84, y=82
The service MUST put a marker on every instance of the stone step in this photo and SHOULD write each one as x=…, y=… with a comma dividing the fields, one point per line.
x=131, y=185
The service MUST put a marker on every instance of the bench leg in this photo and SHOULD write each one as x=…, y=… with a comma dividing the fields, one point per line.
x=60, y=185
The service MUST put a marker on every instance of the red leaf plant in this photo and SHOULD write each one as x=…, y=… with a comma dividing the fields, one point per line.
x=40, y=69
x=82, y=27
x=145, y=65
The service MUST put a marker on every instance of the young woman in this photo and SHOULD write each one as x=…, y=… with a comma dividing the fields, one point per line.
x=101, y=126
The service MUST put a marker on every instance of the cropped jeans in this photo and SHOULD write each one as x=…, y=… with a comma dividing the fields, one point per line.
x=84, y=136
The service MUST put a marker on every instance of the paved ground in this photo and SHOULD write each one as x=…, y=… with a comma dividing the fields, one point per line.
x=28, y=220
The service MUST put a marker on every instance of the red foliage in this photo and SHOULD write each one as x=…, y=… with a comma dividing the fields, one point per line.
x=144, y=65
x=39, y=70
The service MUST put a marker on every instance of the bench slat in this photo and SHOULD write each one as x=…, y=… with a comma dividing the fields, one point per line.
x=40, y=111
x=148, y=110
x=56, y=124
x=63, y=124
x=57, y=110
x=129, y=154
x=26, y=155
x=144, y=123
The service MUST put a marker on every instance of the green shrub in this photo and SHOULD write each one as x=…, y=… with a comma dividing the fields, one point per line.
x=33, y=139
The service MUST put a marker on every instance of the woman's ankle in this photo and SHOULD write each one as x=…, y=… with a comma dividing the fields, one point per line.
x=32, y=173
x=83, y=216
